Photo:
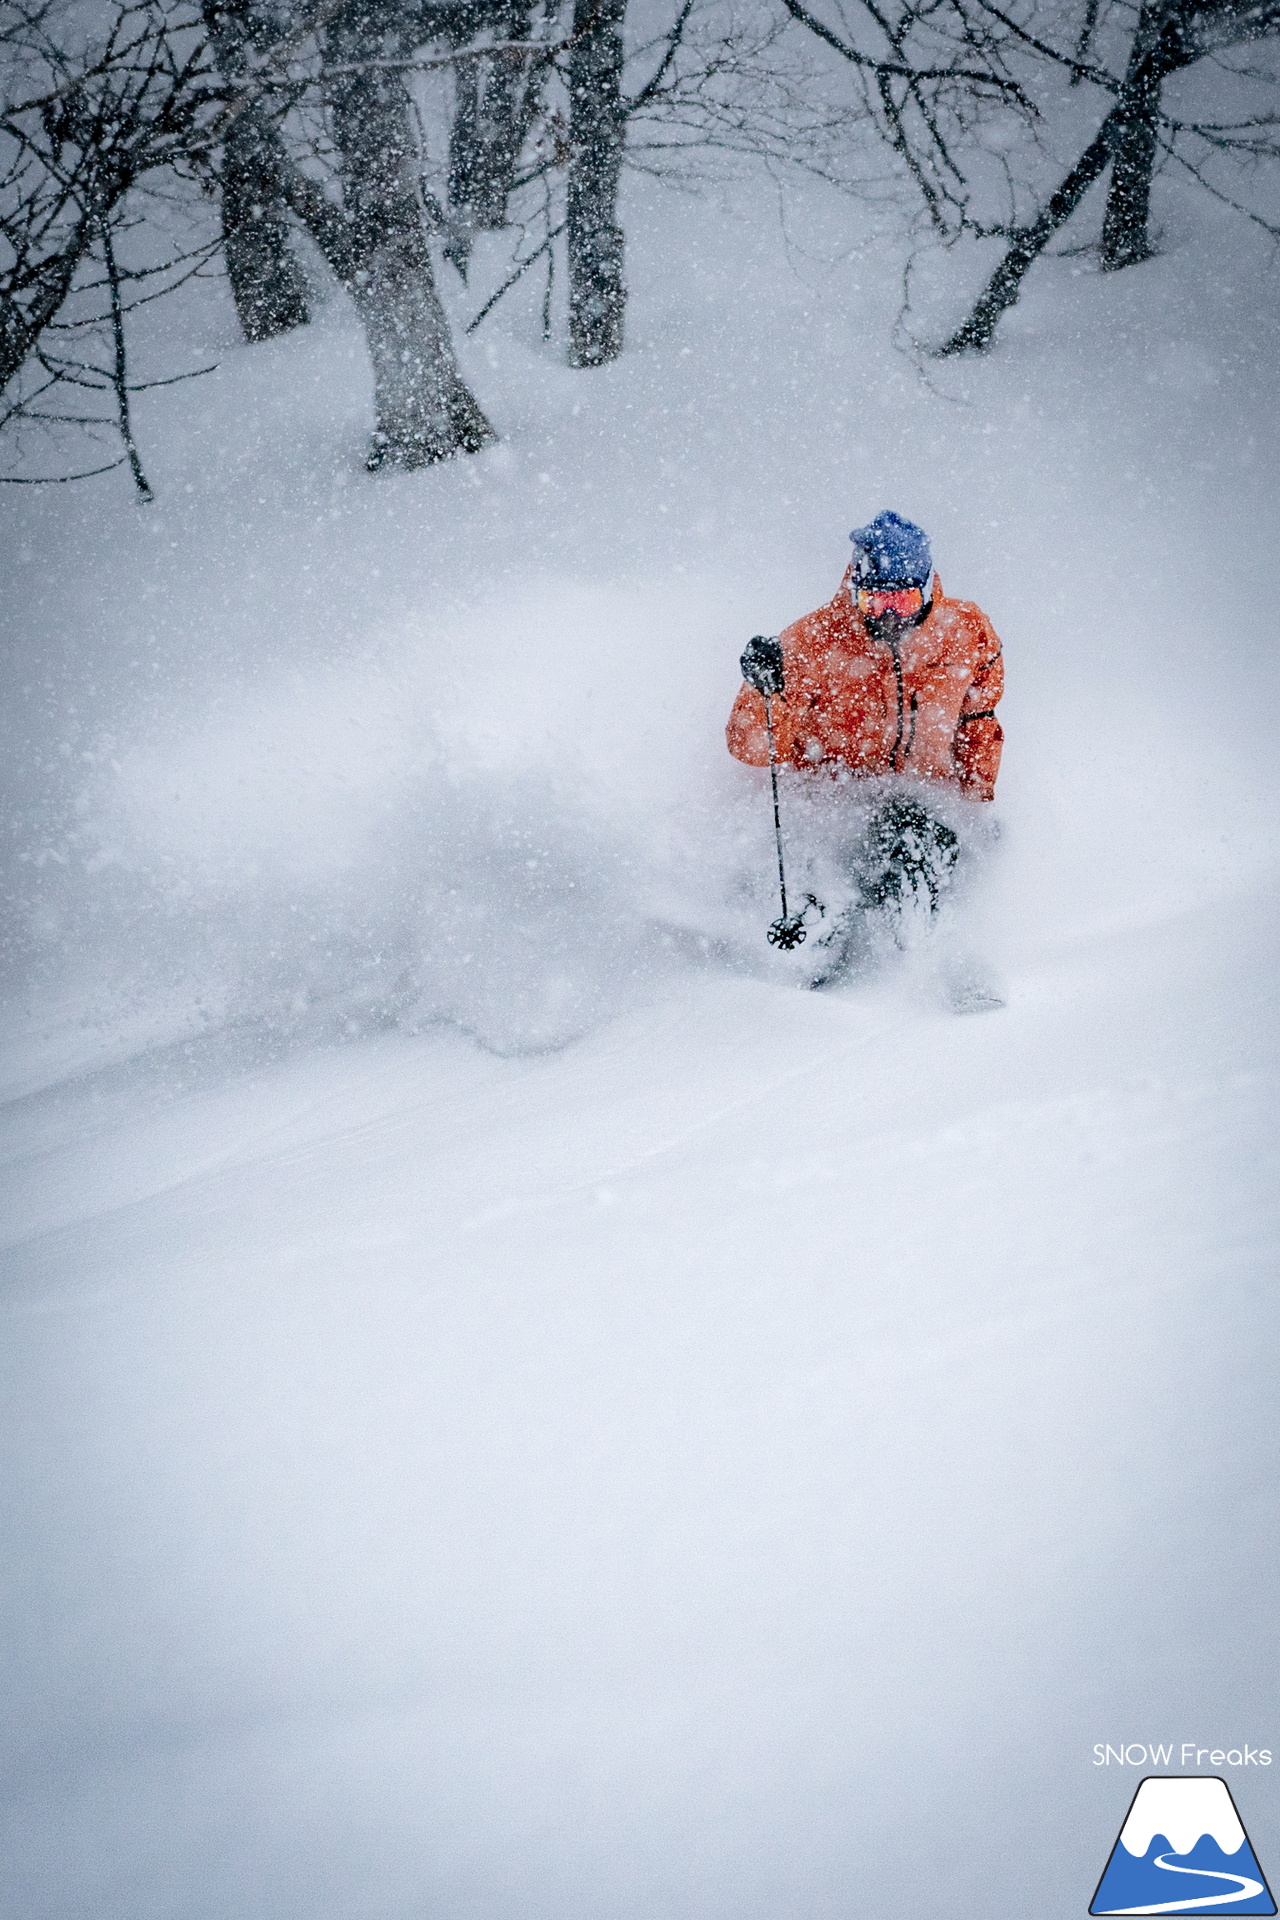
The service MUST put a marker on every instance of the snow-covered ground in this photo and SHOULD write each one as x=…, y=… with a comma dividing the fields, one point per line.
x=511, y=1406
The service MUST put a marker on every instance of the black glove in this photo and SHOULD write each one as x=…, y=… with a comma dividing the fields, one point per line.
x=762, y=665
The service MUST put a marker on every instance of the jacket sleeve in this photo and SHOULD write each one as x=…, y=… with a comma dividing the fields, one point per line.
x=747, y=735
x=979, y=735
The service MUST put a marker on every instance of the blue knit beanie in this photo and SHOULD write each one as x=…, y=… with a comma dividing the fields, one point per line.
x=891, y=549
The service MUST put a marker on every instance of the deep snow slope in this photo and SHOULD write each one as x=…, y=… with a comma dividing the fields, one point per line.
x=511, y=1406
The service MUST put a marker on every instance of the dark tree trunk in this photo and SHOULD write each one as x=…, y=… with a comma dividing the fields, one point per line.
x=266, y=281
x=1128, y=138
x=493, y=106
x=425, y=411
x=1159, y=46
x=495, y=103
x=1028, y=244
x=597, y=133
x=1125, y=230
x=466, y=147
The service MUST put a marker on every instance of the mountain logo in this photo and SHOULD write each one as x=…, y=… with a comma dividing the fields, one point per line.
x=1182, y=1849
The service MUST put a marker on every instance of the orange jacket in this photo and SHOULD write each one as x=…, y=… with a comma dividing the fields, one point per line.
x=926, y=708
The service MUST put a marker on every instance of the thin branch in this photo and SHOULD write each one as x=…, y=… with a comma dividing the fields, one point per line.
x=511, y=279
x=196, y=373
x=1217, y=193
x=651, y=86
x=525, y=49
x=120, y=371
x=976, y=77
x=56, y=479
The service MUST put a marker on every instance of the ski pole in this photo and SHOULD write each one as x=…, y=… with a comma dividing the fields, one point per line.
x=762, y=669
x=777, y=816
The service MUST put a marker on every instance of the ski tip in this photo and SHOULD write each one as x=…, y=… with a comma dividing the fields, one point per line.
x=985, y=1003
x=974, y=997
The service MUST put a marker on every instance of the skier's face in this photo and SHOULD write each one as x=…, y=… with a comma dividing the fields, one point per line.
x=888, y=610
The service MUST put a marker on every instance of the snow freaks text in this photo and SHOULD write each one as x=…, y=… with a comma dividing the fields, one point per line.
x=1190, y=1755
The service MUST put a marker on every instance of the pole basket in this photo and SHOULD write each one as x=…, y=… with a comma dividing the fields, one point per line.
x=788, y=933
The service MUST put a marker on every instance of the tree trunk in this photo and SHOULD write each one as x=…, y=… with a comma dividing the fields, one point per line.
x=266, y=281
x=494, y=99
x=1125, y=236
x=1128, y=138
x=597, y=132
x=425, y=411
x=466, y=161
x=1028, y=244
x=1159, y=46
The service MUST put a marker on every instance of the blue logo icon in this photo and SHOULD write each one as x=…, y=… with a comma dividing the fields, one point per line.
x=1182, y=1849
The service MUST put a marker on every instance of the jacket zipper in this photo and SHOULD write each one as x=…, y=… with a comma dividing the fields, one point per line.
x=897, y=674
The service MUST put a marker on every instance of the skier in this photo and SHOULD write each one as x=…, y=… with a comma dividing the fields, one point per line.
x=889, y=678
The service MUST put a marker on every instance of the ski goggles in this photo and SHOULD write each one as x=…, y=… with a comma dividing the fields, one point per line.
x=877, y=601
